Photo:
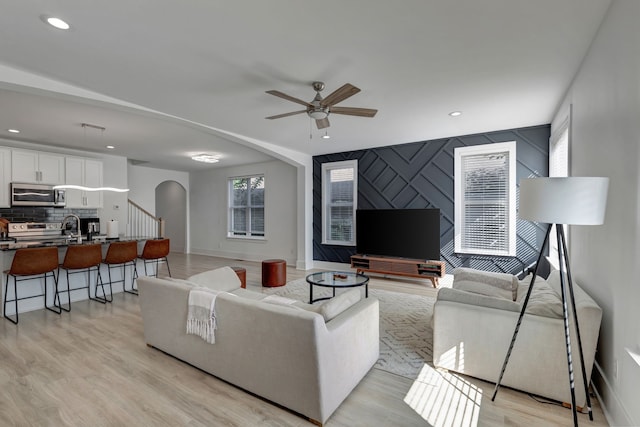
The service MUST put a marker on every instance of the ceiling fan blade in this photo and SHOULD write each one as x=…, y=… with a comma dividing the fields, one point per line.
x=279, y=116
x=288, y=98
x=339, y=95
x=354, y=111
x=322, y=123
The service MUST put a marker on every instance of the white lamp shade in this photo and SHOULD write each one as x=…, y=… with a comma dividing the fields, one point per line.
x=571, y=200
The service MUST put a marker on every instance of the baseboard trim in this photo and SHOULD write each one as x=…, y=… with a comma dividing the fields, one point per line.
x=240, y=256
x=612, y=408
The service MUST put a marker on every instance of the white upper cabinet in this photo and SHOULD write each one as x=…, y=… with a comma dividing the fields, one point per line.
x=37, y=167
x=5, y=177
x=86, y=172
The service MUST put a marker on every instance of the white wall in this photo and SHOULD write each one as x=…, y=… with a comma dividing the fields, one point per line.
x=143, y=182
x=114, y=205
x=605, y=142
x=208, y=219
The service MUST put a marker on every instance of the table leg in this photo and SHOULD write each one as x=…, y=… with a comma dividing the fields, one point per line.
x=366, y=290
x=310, y=293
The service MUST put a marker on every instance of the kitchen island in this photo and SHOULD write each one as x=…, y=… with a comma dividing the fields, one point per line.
x=33, y=287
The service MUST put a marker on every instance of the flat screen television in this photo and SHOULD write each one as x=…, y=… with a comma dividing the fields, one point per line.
x=401, y=233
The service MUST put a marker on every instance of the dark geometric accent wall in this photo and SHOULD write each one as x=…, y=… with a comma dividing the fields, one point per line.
x=421, y=175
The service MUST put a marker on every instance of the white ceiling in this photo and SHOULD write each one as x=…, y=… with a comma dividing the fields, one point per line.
x=503, y=63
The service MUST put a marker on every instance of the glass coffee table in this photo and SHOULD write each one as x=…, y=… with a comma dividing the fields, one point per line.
x=336, y=279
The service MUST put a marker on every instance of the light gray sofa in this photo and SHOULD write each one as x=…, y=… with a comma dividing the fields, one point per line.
x=287, y=354
x=472, y=332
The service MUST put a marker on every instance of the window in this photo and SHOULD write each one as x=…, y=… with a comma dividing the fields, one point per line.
x=559, y=154
x=558, y=167
x=246, y=206
x=339, y=199
x=485, y=199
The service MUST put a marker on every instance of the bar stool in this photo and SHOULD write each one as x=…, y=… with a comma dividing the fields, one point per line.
x=153, y=252
x=121, y=254
x=29, y=264
x=84, y=258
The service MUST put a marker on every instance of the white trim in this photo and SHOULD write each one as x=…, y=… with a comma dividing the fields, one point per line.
x=608, y=399
x=459, y=152
x=247, y=236
x=325, y=168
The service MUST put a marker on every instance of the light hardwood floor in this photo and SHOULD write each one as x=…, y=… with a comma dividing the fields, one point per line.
x=91, y=367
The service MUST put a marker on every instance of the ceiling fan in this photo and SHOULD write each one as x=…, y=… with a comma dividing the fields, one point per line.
x=320, y=108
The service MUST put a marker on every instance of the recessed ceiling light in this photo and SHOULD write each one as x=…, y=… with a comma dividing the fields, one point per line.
x=455, y=113
x=110, y=147
x=206, y=158
x=56, y=22
x=13, y=130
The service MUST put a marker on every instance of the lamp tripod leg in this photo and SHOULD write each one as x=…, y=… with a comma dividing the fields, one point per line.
x=522, y=312
x=562, y=240
x=567, y=335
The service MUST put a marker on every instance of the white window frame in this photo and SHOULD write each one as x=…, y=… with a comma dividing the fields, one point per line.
x=559, y=161
x=326, y=208
x=459, y=176
x=230, y=207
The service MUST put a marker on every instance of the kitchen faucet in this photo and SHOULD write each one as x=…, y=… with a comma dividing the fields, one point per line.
x=64, y=220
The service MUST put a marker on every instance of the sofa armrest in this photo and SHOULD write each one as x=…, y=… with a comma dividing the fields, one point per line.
x=464, y=297
x=220, y=279
x=347, y=350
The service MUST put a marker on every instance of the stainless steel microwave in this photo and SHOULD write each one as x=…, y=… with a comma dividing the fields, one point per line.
x=23, y=194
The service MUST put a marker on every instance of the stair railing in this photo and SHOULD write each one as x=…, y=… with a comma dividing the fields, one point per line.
x=142, y=223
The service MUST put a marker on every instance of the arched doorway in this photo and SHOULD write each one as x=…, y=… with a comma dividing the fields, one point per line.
x=171, y=205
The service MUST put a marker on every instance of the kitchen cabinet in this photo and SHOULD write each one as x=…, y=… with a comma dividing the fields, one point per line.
x=37, y=167
x=86, y=172
x=5, y=177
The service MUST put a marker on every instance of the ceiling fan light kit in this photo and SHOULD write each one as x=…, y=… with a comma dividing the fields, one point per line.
x=320, y=108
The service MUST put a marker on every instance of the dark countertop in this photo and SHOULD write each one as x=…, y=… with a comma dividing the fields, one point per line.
x=10, y=245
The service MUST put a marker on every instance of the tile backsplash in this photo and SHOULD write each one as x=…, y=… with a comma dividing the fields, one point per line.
x=38, y=214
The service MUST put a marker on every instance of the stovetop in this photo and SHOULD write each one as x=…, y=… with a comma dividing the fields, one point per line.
x=23, y=230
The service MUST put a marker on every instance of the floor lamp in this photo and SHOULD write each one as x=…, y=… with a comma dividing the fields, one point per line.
x=558, y=201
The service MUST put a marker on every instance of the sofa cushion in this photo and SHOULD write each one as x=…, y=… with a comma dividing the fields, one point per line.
x=523, y=286
x=498, y=285
x=472, y=298
x=220, y=279
x=336, y=305
x=328, y=310
x=544, y=301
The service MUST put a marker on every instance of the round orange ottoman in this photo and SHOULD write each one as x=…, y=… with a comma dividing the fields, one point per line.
x=274, y=273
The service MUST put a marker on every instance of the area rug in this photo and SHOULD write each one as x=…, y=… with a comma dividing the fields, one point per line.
x=405, y=326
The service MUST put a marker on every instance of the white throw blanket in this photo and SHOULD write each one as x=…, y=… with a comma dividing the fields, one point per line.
x=201, y=319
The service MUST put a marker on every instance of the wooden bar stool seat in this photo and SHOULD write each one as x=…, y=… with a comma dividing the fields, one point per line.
x=153, y=252
x=274, y=273
x=122, y=254
x=84, y=259
x=30, y=264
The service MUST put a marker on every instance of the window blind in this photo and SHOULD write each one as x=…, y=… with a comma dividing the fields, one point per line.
x=339, y=183
x=246, y=206
x=486, y=195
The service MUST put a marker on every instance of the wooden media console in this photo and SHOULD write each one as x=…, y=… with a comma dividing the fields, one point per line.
x=423, y=269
